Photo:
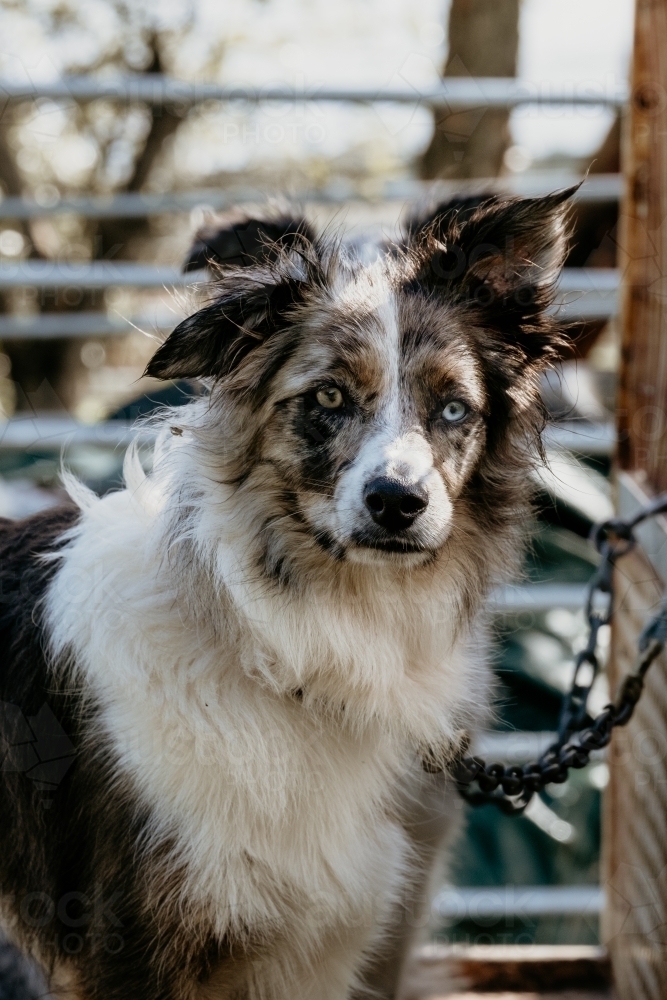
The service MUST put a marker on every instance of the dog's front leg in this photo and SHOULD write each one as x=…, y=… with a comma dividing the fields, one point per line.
x=287, y=971
x=433, y=819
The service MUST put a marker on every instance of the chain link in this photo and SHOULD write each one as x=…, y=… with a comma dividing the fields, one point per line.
x=511, y=788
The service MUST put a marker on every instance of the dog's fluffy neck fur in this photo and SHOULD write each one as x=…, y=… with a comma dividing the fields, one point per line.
x=259, y=723
x=362, y=644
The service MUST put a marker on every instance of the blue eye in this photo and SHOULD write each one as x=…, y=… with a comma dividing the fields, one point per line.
x=455, y=411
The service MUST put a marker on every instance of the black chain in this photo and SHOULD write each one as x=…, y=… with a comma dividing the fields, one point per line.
x=511, y=788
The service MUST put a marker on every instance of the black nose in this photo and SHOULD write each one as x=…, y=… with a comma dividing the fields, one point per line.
x=394, y=505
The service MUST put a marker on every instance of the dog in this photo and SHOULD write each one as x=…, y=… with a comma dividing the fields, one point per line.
x=218, y=683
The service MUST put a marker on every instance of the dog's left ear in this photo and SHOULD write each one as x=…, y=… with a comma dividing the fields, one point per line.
x=501, y=258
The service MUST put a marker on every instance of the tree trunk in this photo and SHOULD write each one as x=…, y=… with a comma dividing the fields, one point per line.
x=45, y=373
x=483, y=41
x=113, y=235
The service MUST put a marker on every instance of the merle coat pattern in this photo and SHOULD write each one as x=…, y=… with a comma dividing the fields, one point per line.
x=250, y=648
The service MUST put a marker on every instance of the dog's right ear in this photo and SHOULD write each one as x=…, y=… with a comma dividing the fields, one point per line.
x=261, y=265
x=236, y=239
x=248, y=307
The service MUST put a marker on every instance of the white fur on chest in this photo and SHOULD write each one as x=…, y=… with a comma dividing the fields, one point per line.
x=275, y=810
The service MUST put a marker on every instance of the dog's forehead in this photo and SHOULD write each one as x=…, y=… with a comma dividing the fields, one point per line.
x=351, y=327
x=365, y=326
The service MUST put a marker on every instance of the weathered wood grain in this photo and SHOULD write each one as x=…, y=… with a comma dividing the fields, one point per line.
x=505, y=970
x=643, y=254
x=635, y=841
x=635, y=814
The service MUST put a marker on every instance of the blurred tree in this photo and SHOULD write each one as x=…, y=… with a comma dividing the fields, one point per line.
x=483, y=41
x=43, y=371
x=112, y=236
x=30, y=368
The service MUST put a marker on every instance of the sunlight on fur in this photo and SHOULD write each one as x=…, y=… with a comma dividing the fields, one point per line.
x=252, y=645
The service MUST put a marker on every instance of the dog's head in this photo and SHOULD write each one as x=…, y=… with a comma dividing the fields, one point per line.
x=384, y=406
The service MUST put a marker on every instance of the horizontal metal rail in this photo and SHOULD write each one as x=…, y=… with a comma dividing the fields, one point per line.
x=515, y=747
x=515, y=901
x=598, y=188
x=96, y=274
x=596, y=440
x=584, y=295
x=519, y=746
x=114, y=274
x=108, y=274
x=587, y=294
x=455, y=92
x=601, y=280
x=536, y=598
x=588, y=307
x=54, y=433
x=73, y=325
x=46, y=326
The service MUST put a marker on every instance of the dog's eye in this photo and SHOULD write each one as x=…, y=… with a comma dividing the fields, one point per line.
x=455, y=411
x=330, y=398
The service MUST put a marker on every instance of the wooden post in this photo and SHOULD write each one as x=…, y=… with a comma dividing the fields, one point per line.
x=643, y=254
x=635, y=828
